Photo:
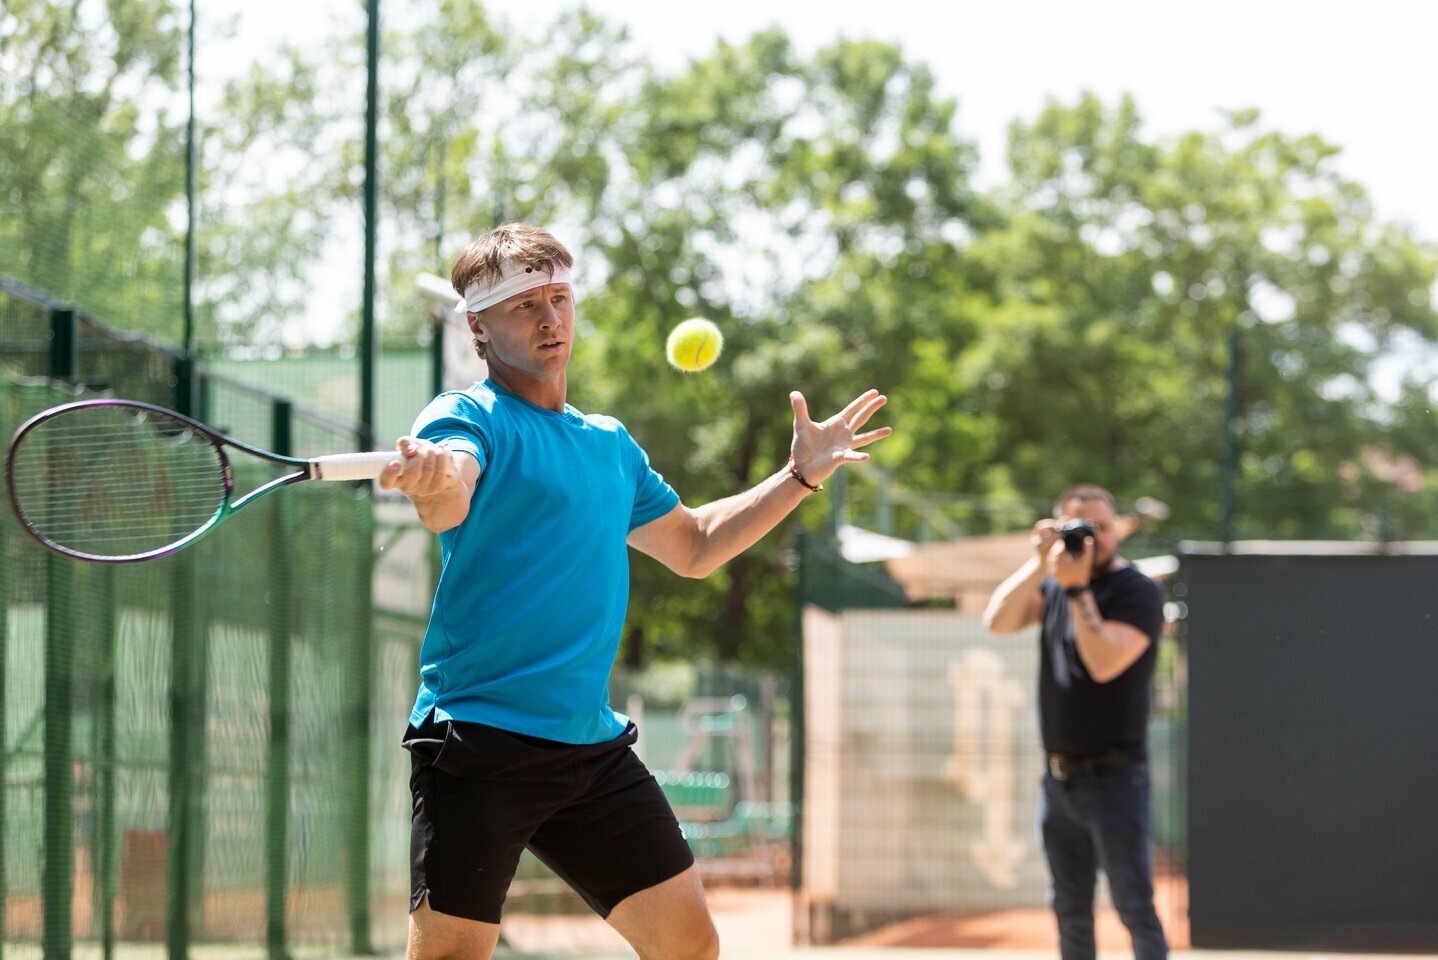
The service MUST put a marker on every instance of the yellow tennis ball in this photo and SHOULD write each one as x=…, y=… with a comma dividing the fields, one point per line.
x=694, y=345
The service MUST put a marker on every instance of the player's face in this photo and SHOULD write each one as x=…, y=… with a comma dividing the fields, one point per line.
x=1105, y=525
x=531, y=332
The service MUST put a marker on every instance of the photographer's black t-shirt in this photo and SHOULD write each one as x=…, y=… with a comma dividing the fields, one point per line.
x=1078, y=716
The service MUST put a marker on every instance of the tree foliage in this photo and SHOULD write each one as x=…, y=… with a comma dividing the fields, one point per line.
x=90, y=168
x=1126, y=270
x=1073, y=323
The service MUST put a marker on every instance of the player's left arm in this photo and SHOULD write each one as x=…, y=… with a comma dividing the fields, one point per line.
x=696, y=542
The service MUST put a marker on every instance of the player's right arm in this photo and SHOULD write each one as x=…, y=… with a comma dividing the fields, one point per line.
x=437, y=480
x=1018, y=603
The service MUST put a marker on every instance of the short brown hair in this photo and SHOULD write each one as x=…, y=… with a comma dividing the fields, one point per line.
x=483, y=259
x=1086, y=493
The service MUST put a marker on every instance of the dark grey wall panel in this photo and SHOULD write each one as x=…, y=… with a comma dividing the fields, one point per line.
x=1313, y=751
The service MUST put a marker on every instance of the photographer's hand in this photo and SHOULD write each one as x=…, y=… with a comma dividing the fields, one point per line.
x=1017, y=603
x=1106, y=647
x=1046, y=532
x=1071, y=571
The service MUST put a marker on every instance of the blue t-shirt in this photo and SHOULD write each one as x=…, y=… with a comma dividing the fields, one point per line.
x=531, y=599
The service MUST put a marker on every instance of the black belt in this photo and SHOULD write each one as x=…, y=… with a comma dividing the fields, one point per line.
x=1068, y=768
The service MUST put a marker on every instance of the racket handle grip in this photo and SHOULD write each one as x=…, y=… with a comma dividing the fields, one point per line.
x=352, y=466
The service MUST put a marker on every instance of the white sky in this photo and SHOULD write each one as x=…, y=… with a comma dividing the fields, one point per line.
x=1362, y=73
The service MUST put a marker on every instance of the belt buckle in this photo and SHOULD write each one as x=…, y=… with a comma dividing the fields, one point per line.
x=1056, y=767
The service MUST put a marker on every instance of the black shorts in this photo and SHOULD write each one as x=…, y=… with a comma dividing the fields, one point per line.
x=591, y=812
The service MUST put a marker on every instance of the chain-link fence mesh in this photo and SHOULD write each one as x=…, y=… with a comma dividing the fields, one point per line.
x=181, y=737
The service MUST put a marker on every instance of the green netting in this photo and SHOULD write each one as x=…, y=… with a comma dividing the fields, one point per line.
x=329, y=383
x=199, y=736
x=86, y=212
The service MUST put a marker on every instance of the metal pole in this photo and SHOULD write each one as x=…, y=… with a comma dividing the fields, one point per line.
x=359, y=704
x=278, y=781
x=359, y=674
x=436, y=383
x=188, y=342
x=437, y=342
x=64, y=344
x=371, y=220
x=797, y=754
x=57, y=870
x=57, y=874
x=184, y=841
x=5, y=736
x=1230, y=435
x=108, y=749
x=181, y=780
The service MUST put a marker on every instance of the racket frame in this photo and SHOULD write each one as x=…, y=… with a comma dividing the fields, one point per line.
x=304, y=470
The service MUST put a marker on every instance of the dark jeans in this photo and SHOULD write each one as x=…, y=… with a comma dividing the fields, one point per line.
x=1093, y=821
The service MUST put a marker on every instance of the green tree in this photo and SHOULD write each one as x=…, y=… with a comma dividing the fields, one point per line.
x=1073, y=323
x=92, y=155
x=732, y=189
x=1125, y=265
x=749, y=179
x=277, y=161
x=486, y=122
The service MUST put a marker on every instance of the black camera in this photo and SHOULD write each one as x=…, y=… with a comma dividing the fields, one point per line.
x=1074, y=532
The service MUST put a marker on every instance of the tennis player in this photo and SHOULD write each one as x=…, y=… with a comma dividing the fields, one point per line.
x=513, y=743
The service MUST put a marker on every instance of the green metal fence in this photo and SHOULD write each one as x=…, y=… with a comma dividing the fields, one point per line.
x=191, y=747
x=204, y=749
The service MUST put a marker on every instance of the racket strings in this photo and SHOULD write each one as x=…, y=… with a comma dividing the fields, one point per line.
x=108, y=482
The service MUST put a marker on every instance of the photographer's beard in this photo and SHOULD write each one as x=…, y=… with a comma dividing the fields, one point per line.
x=1105, y=564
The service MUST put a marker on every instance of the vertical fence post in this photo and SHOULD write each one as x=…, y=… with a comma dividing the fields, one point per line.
x=187, y=343
x=4, y=733
x=797, y=756
x=279, y=598
x=185, y=841
x=884, y=505
x=436, y=386
x=107, y=761
x=57, y=874
x=1230, y=435
x=357, y=715
x=359, y=703
x=368, y=342
x=181, y=779
x=64, y=344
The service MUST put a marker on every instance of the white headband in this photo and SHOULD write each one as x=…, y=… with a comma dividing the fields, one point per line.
x=515, y=278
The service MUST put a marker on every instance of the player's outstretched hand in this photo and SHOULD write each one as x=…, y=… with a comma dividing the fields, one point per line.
x=821, y=448
x=420, y=469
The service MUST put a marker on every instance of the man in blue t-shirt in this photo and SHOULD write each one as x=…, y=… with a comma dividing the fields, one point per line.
x=513, y=743
x=1099, y=625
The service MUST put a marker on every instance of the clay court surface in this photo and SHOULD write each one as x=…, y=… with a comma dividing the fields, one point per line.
x=757, y=924
x=757, y=921
x=751, y=920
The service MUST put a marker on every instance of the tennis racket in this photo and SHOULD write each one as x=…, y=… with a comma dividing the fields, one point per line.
x=117, y=481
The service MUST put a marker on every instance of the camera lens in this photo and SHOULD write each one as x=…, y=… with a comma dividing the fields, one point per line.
x=1074, y=533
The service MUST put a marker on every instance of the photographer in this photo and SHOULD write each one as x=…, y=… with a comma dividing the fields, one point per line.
x=1100, y=620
